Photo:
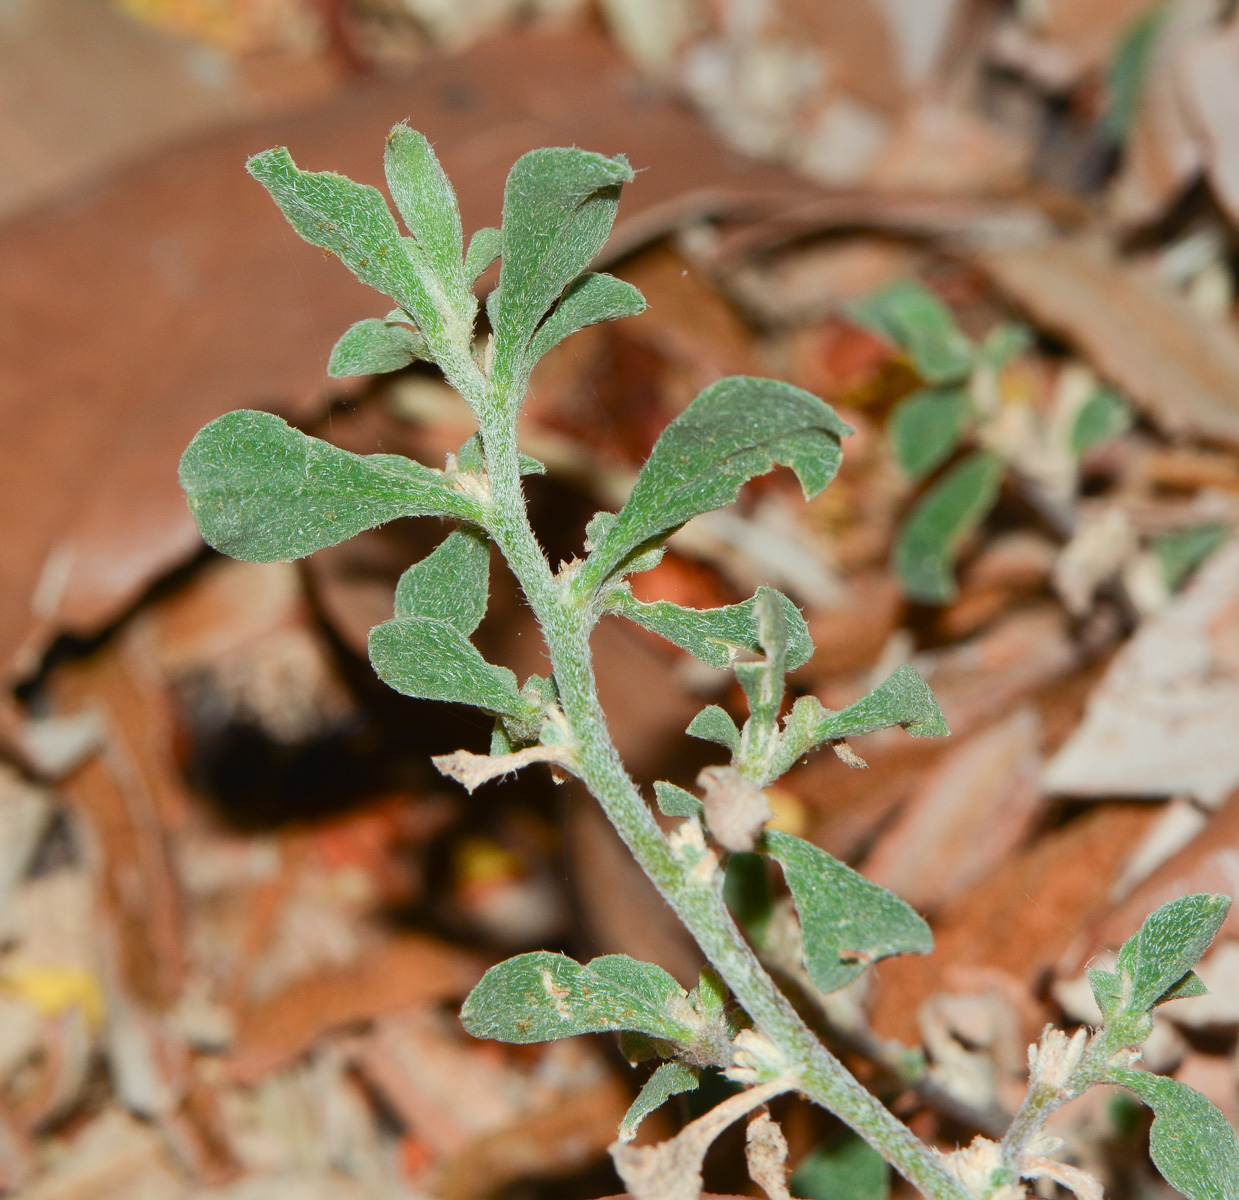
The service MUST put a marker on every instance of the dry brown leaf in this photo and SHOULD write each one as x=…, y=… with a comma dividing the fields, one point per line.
x=971, y=811
x=412, y=970
x=765, y=1151
x=187, y=254
x=1181, y=371
x=1162, y=721
x=1208, y=78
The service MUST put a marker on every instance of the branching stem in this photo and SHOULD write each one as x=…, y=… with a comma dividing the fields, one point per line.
x=566, y=620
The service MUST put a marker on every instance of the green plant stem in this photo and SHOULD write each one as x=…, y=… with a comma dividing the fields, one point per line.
x=566, y=620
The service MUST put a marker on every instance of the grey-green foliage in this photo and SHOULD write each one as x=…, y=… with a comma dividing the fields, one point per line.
x=669, y=1079
x=1157, y=959
x=430, y=659
x=1180, y=552
x=353, y=222
x=540, y=996
x=925, y=427
x=1129, y=70
x=735, y=429
x=373, y=347
x=715, y=635
x=915, y=320
x=427, y=202
x=262, y=491
x=558, y=208
x=903, y=699
x=847, y=922
x=484, y=250
x=1104, y=415
x=589, y=300
x=846, y=1168
x=450, y=583
x=674, y=801
x=930, y=538
x=1191, y=1142
x=714, y=724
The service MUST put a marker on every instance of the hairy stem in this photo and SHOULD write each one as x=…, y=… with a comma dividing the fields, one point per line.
x=566, y=621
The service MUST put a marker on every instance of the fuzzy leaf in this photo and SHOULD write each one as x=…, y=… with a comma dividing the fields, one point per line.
x=1181, y=552
x=904, y=699
x=1104, y=415
x=540, y=996
x=675, y=801
x=847, y=922
x=470, y=458
x=846, y=1168
x=558, y=208
x=763, y=681
x=432, y=660
x=427, y=203
x=450, y=583
x=353, y=222
x=1191, y=1142
x=484, y=248
x=669, y=1079
x=373, y=347
x=262, y=491
x=713, y=724
x=589, y=300
x=925, y=427
x=1168, y=945
x=912, y=317
x=1189, y=986
x=735, y=429
x=931, y=535
x=715, y=635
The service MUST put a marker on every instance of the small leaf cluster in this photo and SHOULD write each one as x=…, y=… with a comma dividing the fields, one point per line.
x=957, y=403
x=1191, y=1142
x=263, y=491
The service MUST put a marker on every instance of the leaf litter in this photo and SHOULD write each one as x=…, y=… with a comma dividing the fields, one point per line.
x=227, y=875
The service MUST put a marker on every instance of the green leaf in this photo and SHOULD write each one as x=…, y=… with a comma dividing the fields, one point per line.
x=1107, y=991
x=539, y=997
x=763, y=682
x=1190, y=986
x=353, y=222
x=735, y=429
x=904, y=699
x=933, y=532
x=1004, y=343
x=1168, y=945
x=589, y=300
x=714, y=635
x=675, y=801
x=431, y=659
x=1181, y=552
x=427, y=203
x=713, y=724
x=373, y=347
x=484, y=248
x=925, y=427
x=669, y=1079
x=1129, y=69
x=1104, y=415
x=911, y=316
x=450, y=583
x=847, y=921
x=470, y=458
x=558, y=208
x=1191, y=1142
x=846, y=1168
x=262, y=491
